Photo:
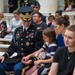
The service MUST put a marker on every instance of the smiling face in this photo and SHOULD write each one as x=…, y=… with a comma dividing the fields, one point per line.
x=69, y=38
x=36, y=18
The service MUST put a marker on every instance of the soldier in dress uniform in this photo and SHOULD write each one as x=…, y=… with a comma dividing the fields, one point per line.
x=26, y=40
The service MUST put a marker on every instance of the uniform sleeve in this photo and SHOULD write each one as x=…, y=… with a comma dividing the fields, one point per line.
x=53, y=50
x=57, y=55
x=38, y=40
x=44, y=46
x=12, y=48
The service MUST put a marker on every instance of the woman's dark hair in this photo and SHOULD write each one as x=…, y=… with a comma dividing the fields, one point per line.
x=63, y=20
x=50, y=33
x=59, y=12
x=51, y=16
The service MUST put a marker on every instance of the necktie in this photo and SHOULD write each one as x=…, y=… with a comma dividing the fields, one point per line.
x=24, y=30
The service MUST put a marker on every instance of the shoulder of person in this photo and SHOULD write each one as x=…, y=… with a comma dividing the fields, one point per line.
x=18, y=28
x=62, y=49
x=4, y=22
x=32, y=26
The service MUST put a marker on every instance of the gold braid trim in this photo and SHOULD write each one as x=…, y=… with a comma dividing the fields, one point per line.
x=26, y=17
x=7, y=54
x=35, y=58
x=24, y=69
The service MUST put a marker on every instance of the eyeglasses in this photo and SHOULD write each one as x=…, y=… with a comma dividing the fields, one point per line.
x=35, y=7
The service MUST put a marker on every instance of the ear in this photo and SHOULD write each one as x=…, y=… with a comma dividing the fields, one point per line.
x=62, y=26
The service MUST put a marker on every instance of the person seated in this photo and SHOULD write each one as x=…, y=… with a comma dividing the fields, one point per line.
x=60, y=25
x=36, y=8
x=64, y=58
x=51, y=21
x=58, y=13
x=38, y=23
x=50, y=46
x=26, y=40
x=14, y=23
x=3, y=26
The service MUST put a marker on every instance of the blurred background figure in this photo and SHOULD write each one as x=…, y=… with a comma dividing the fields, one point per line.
x=14, y=23
x=58, y=13
x=3, y=26
x=13, y=5
x=36, y=8
x=68, y=6
x=21, y=1
x=25, y=3
x=51, y=21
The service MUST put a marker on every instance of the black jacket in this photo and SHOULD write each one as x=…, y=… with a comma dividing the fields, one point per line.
x=26, y=42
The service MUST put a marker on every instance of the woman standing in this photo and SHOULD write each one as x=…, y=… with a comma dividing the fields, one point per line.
x=64, y=59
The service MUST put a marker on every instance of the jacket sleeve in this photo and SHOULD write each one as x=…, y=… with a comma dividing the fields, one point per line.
x=12, y=48
x=38, y=40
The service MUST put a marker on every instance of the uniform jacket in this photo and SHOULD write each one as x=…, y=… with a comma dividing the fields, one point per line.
x=26, y=42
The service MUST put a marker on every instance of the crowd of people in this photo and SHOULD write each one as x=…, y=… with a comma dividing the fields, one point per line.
x=42, y=49
x=13, y=5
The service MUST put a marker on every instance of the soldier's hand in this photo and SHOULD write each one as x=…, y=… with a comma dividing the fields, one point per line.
x=26, y=58
x=27, y=62
x=2, y=58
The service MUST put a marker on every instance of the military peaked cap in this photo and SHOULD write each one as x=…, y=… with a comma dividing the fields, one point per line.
x=26, y=13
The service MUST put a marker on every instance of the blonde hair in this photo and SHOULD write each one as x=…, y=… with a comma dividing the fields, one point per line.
x=16, y=12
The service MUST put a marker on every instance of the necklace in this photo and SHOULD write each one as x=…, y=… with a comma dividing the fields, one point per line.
x=70, y=55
